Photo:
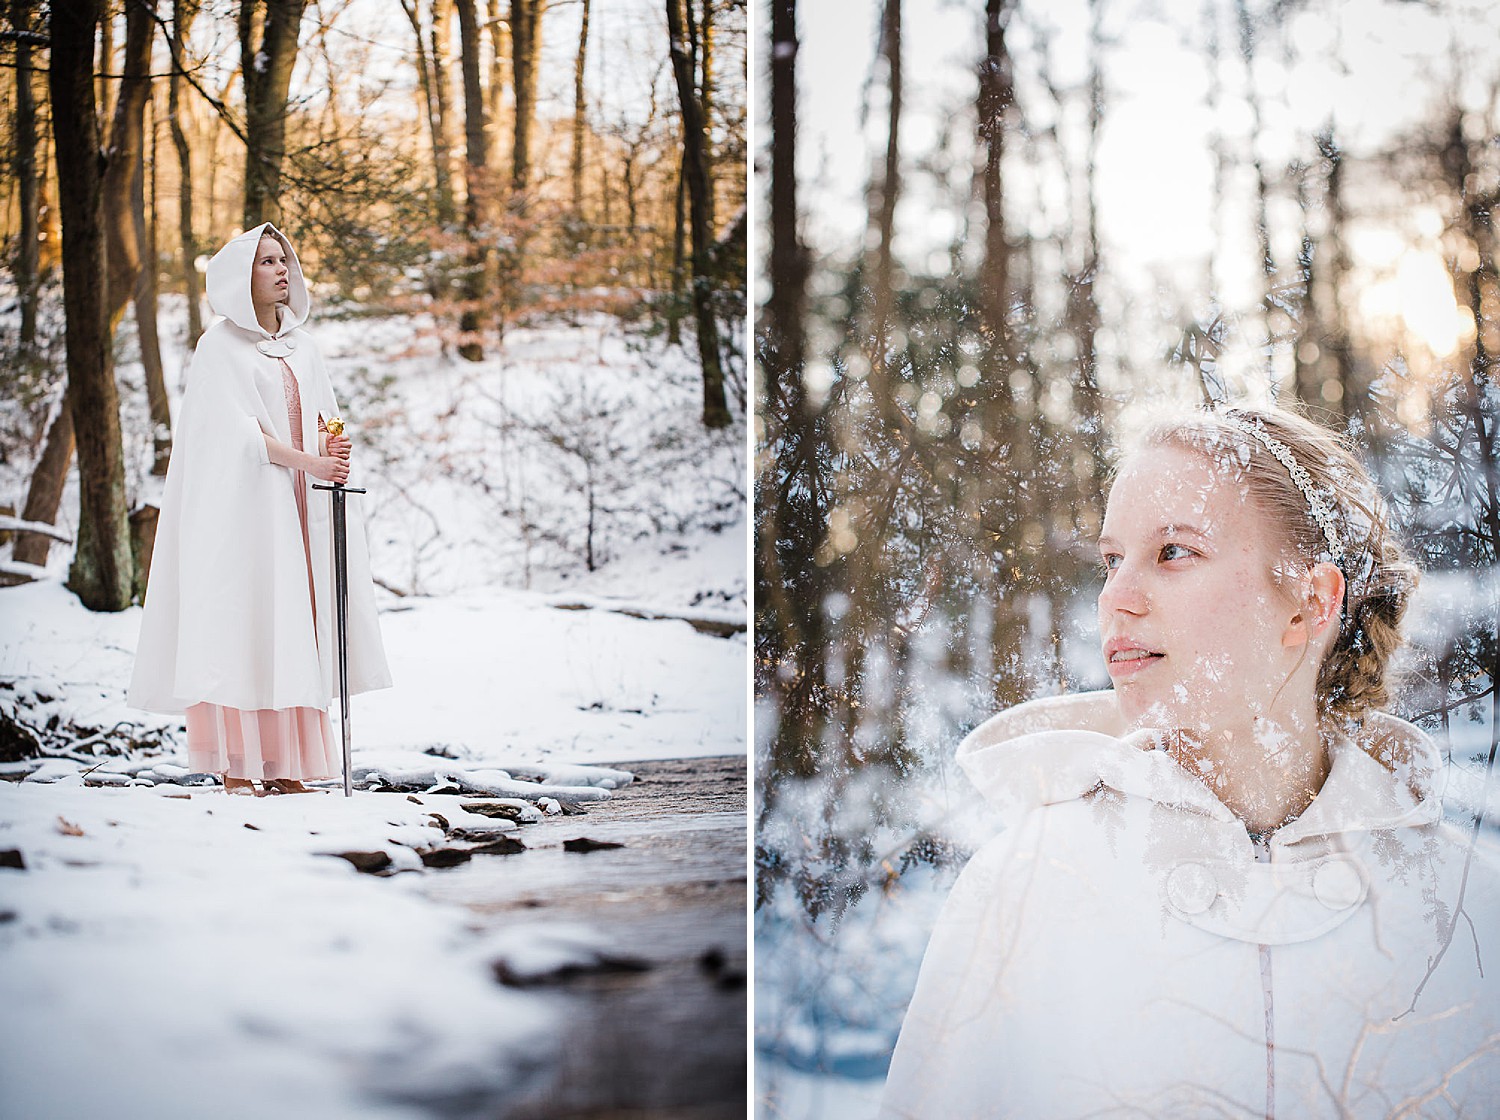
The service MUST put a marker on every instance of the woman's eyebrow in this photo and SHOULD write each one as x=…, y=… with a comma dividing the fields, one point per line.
x=1170, y=530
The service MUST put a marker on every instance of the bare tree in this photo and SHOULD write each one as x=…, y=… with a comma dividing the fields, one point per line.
x=28, y=263
x=266, y=65
x=883, y=217
x=430, y=78
x=700, y=203
x=792, y=494
x=442, y=126
x=116, y=225
x=183, y=13
x=130, y=257
x=1262, y=187
x=497, y=24
x=477, y=210
x=526, y=53
x=103, y=572
x=580, y=106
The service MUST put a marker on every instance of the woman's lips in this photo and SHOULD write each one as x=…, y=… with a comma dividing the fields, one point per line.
x=1127, y=661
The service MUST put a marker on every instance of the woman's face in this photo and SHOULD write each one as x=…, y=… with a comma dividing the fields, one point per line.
x=269, y=275
x=1191, y=618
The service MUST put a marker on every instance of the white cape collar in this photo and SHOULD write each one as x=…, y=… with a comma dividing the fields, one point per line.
x=1053, y=766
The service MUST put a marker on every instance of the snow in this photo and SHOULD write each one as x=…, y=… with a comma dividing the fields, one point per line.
x=170, y=934
x=170, y=950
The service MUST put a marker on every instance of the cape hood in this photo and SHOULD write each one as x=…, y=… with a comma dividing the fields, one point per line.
x=228, y=282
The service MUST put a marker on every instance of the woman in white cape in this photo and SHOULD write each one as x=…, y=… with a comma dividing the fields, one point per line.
x=1223, y=889
x=238, y=628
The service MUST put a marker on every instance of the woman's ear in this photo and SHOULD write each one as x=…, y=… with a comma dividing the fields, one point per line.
x=1321, y=601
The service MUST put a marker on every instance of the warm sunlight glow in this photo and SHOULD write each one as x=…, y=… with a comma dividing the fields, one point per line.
x=1427, y=304
x=1420, y=294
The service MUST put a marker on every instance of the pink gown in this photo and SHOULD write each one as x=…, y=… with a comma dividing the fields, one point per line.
x=294, y=743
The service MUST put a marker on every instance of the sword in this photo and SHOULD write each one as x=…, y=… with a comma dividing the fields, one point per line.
x=341, y=597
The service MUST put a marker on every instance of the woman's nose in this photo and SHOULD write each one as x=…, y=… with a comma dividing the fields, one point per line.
x=1124, y=592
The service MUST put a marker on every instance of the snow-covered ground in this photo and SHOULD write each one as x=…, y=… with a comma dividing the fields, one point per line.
x=167, y=950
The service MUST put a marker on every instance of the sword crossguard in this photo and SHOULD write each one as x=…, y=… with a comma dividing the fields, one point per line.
x=338, y=487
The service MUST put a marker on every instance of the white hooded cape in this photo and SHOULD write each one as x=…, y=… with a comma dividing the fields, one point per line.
x=1123, y=950
x=227, y=618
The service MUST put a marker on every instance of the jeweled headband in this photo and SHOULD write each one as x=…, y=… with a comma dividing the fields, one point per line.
x=1316, y=503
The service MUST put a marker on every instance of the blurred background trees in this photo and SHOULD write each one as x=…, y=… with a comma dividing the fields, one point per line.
x=1005, y=234
x=375, y=134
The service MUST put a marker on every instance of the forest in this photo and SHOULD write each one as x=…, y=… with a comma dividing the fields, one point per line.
x=1003, y=236
x=475, y=167
x=522, y=226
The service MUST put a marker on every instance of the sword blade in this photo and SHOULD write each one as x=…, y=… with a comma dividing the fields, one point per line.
x=341, y=601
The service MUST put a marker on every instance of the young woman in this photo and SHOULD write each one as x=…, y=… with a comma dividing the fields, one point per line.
x=238, y=630
x=1224, y=888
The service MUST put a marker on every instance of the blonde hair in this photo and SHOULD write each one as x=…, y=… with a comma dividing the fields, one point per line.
x=1380, y=577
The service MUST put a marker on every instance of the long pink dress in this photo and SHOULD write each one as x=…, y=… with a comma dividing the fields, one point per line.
x=294, y=743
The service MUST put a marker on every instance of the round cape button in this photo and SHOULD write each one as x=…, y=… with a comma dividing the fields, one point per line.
x=1337, y=884
x=1191, y=888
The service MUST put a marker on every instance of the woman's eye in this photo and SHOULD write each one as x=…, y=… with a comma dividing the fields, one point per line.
x=1176, y=552
x=1110, y=561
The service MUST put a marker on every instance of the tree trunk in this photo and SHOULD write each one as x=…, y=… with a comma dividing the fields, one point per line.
x=679, y=255
x=425, y=85
x=791, y=505
x=1353, y=390
x=267, y=72
x=499, y=77
x=480, y=189
x=703, y=37
x=1084, y=303
x=580, y=104
x=183, y=12
x=883, y=217
x=1262, y=190
x=123, y=252
x=28, y=262
x=442, y=126
x=45, y=492
x=1005, y=443
x=102, y=572
x=526, y=46
x=105, y=86
x=145, y=297
x=700, y=204
x=996, y=95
